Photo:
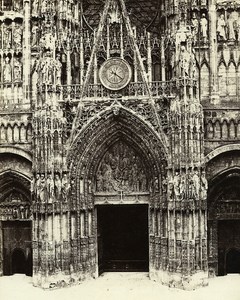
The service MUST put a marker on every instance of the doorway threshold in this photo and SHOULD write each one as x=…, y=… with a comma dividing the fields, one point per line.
x=125, y=275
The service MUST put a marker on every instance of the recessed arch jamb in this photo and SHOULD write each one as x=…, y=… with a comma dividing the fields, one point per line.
x=17, y=151
x=220, y=150
x=214, y=187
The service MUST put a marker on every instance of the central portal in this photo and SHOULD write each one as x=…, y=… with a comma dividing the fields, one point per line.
x=123, y=238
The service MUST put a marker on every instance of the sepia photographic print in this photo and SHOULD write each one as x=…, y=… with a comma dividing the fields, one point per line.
x=120, y=149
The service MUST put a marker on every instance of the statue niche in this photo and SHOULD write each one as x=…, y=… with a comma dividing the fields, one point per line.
x=121, y=169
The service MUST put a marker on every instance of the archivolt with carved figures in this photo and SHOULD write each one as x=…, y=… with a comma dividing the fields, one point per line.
x=121, y=136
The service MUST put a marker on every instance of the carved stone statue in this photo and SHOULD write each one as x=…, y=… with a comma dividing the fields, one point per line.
x=47, y=69
x=175, y=106
x=196, y=184
x=17, y=69
x=34, y=35
x=184, y=60
x=65, y=186
x=15, y=213
x=100, y=181
x=142, y=181
x=50, y=188
x=204, y=27
x=231, y=27
x=22, y=212
x=7, y=71
x=17, y=5
x=192, y=65
x=182, y=186
x=35, y=5
x=48, y=39
x=176, y=185
x=7, y=37
x=108, y=178
x=195, y=27
x=27, y=212
x=36, y=187
x=43, y=6
x=204, y=186
x=221, y=27
x=58, y=71
x=69, y=11
x=58, y=186
x=42, y=188
x=17, y=36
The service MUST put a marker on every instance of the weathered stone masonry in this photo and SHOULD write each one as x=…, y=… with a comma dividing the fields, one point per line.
x=156, y=125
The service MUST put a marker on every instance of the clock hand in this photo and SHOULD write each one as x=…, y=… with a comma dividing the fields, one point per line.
x=117, y=75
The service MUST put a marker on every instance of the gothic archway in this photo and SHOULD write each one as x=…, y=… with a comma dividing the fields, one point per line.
x=223, y=219
x=15, y=222
x=116, y=159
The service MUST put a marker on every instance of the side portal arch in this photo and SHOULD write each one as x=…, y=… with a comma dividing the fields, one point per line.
x=223, y=210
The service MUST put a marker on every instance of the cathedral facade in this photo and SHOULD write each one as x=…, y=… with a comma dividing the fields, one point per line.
x=119, y=139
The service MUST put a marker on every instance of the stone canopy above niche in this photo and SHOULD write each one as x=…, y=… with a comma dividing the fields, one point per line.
x=121, y=169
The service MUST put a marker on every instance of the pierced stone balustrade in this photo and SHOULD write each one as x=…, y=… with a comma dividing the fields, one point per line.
x=134, y=90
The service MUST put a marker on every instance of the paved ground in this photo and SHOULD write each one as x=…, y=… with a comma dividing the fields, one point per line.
x=119, y=286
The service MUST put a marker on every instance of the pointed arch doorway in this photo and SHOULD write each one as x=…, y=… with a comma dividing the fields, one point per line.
x=121, y=201
x=116, y=159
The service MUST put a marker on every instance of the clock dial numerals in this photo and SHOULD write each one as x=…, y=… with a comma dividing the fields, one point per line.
x=115, y=73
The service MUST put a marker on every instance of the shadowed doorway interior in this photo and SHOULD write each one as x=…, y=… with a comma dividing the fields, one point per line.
x=17, y=251
x=18, y=262
x=228, y=247
x=233, y=261
x=123, y=238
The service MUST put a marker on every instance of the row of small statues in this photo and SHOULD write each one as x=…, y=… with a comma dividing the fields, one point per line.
x=199, y=27
x=50, y=70
x=227, y=28
x=48, y=189
x=191, y=186
x=65, y=7
x=14, y=5
x=16, y=212
x=12, y=36
x=11, y=70
x=130, y=180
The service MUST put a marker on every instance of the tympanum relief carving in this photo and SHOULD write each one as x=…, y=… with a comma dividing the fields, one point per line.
x=121, y=169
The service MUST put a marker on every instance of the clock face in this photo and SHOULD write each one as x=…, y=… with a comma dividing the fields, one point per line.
x=115, y=74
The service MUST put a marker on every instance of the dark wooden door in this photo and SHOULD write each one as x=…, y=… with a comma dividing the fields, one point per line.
x=17, y=252
x=124, y=238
